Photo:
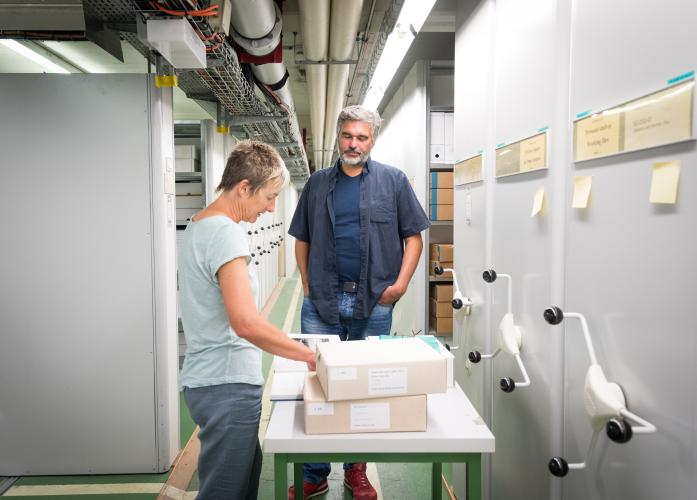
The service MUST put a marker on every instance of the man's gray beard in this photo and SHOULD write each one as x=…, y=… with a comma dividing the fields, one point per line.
x=362, y=158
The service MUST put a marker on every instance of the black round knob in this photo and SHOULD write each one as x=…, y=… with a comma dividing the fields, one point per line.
x=256, y=232
x=438, y=270
x=252, y=255
x=507, y=384
x=249, y=232
x=447, y=346
x=475, y=356
x=256, y=262
x=553, y=315
x=457, y=303
x=618, y=430
x=489, y=275
x=558, y=466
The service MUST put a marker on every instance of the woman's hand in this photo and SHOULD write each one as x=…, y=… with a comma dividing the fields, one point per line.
x=311, y=366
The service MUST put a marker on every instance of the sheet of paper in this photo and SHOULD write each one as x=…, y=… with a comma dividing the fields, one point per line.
x=370, y=416
x=538, y=201
x=582, y=191
x=664, y=182
x=508, y=160
x=469, y=170
x=387, y=381
x=661, y=118
x=598, y=135
x=533, y=153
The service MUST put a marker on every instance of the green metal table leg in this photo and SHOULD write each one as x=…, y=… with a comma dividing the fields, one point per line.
x=474, y=478
x=298, y=477
x=280, y=476
x=436, y=486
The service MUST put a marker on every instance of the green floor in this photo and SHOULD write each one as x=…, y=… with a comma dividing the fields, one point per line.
x=397, y=481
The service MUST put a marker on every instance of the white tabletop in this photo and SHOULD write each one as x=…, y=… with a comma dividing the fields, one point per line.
x=454, y=426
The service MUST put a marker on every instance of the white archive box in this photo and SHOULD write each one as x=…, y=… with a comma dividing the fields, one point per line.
x=186, y=213
x=389, y=414
x=185, y=151
x=281, y=364
x=190, y=201
x=431, y=341
x=189, y=188
x=364, y=369
x=185, y=165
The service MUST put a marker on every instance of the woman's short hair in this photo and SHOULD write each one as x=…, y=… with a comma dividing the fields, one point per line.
x=257, y=162
x=360, y=114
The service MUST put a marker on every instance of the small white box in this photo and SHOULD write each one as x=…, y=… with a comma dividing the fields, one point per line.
x=177, y=41
x=186, y=213
x=185, y=151
x=185, y=165
x=189, y=188
x=190, y=202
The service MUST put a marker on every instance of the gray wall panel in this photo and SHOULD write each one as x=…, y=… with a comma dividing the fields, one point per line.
x=630, y=264
x=77, y=360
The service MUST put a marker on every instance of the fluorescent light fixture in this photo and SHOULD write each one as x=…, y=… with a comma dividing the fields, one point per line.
x=33, y=56
x=410, y=21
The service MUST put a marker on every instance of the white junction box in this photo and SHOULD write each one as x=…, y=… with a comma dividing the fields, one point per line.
x=177, y=41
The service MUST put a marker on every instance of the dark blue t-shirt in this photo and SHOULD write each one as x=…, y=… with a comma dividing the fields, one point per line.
x=347, y=226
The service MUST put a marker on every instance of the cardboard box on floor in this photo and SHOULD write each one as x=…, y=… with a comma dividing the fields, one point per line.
x=362, y=369
x=433, y=263
x=441, y=251
x=442, y=325
x=440, y=309
x=442, y=292
x=393, y=414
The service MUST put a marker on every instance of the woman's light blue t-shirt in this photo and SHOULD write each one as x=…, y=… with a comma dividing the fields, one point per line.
x=214, y=353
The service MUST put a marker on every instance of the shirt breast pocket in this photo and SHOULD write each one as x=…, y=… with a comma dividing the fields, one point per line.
x=381, y=212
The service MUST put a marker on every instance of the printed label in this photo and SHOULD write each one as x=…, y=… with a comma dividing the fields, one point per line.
x=387, y=381
x=320, y=409
x=345, y=373
x=370, y=416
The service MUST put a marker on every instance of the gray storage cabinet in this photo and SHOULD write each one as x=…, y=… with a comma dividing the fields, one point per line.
x=88, y=311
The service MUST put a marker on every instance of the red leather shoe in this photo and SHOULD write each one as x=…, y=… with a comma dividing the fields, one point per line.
x=311, y=490
x=356, y=481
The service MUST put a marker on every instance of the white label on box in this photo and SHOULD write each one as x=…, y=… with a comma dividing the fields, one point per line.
x=320, y=409
x=370, y=416
x=387, y=381
x=345, y=373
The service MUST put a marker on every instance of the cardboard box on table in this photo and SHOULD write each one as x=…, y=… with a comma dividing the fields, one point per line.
x=364, y=369
x=392, y=414
x=441, y=251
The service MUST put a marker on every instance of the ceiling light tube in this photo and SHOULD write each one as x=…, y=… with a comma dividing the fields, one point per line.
x=22, y=50
x=410, y=21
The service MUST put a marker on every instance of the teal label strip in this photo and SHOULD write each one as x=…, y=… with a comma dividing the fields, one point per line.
x=682, y=77
x=434, y=180
x=500, y=145
x=584, y=114
x=543, y=129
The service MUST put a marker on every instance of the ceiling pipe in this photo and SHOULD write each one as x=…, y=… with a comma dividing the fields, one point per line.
x=256, y=26
x=346, y=15
x=314, y=25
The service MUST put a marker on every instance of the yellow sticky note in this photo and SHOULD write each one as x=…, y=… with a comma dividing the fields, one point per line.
x=582, y=191
x=664, y=182
x=538, y=201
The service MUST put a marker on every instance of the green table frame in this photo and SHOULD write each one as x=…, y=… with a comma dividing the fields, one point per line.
x=473, y=461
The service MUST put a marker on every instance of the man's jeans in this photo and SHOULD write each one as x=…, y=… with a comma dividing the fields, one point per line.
x=229, y=463
x=378, y=323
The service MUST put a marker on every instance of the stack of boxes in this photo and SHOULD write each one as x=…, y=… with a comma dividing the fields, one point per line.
x=440, y=308
x=441, y=196
x=189, y=192
x=372, y=386
x=440, y=254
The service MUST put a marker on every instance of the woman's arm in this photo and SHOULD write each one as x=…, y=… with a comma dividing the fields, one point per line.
x=246, y=320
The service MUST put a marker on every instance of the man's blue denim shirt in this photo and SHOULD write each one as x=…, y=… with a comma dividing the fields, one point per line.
x=389, y=213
